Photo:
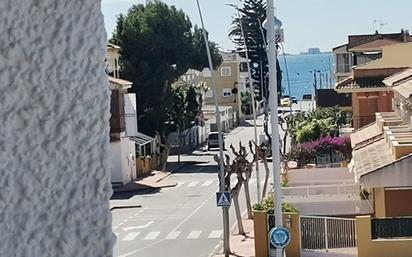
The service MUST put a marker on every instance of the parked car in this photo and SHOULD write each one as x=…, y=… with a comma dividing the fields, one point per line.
x=294, y=99
x=285, y=102
x=213, y=140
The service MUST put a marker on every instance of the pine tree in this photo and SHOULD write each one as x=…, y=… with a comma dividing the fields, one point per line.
x=253, y=14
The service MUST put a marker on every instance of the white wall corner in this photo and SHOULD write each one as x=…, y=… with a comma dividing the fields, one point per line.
x=54, y=132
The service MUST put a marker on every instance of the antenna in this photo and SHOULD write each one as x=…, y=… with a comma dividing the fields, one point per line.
x=381, y=24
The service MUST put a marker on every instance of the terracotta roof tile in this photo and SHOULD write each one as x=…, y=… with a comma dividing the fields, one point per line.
x=350, y=83
x=398, y=77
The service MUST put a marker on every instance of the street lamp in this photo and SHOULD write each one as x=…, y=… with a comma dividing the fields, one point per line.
x=252, y=93
x=271, y=24
x=225, y=210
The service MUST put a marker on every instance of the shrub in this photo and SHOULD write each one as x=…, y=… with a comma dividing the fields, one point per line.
x=306, y=152
x=268, y=205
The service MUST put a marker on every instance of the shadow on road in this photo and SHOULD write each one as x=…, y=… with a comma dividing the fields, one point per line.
x=128, y=195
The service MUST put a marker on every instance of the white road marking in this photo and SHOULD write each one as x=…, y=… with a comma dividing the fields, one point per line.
x=193, y=184
x=194, y=234
x=178, y=226
x=152, y=236
x=173, y=235
x=137, y=227
x=130, y=236
x=207, y=183
x=215, y=234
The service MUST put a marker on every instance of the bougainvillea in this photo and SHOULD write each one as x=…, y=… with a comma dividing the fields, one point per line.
x=306, y=152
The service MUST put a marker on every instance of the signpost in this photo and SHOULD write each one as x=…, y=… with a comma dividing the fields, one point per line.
x=279, y=238
x=223, y=199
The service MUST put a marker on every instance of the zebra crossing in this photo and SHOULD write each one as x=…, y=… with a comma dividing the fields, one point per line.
x=207, y=183
x=173, y=235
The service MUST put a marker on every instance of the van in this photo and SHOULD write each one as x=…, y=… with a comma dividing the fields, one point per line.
x=213, y=140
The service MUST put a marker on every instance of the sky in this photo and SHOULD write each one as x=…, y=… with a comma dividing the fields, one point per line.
x=307, y=23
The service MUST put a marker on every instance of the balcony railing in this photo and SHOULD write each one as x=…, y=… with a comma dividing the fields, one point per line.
x=360, y=121
x=343, y=68
x=391, y=227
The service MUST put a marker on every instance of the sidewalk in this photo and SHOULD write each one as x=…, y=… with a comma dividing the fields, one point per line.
x=242, y=246
x=151, y=181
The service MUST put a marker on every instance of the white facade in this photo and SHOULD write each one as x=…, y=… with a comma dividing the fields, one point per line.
x=123, y=156
x=54, y=144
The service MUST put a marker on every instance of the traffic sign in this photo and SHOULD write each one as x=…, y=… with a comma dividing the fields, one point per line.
x=279, y=237
x=223, y=199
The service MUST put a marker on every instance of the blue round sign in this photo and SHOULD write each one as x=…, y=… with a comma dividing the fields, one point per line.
x=279, y=237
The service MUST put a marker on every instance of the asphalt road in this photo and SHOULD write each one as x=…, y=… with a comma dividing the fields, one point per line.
x=183, y=220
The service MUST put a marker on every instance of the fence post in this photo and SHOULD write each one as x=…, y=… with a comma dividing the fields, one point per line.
x=326, y=234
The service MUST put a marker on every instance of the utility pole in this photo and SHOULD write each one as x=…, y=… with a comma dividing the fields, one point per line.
x=287, y=77
x=330, y=73
x=253, y=104
x=225, y=210
x=272, y=52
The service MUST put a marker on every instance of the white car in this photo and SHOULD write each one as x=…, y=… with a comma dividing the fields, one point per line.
x=285, y=102
x=213, y=140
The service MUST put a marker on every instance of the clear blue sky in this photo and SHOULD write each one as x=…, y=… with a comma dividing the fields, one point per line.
x=307, y=23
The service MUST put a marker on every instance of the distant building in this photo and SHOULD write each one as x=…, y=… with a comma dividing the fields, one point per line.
x=361, y=49
x=231, y=79
x=314, y=51
x=366, y=84
x=128, y=147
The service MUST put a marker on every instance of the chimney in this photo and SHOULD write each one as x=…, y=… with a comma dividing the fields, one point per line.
x=405, y=35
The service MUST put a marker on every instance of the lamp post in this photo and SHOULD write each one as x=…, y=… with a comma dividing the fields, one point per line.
x=252, y=93
x=270, y=14
x=225, y=210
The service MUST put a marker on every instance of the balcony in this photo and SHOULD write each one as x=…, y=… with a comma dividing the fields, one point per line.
x=360, y=121
x=343, y=68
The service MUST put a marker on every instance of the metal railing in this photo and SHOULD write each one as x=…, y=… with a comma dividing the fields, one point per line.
x=311, y=190
x=327, y=232
x=391, y=227
x=360, y=121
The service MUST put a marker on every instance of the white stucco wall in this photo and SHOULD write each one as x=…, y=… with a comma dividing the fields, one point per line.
x=123, y=164
x=54, y=130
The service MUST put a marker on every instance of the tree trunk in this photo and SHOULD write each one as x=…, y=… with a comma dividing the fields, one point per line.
x=265, y=185
x=285, y=137
x=235, y=196
x=180, y=146
x=247, y=196
x=166, y=153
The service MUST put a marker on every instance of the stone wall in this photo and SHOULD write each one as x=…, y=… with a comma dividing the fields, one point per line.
x=54, y=130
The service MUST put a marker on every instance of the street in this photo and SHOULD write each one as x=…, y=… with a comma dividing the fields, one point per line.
x=181, y=220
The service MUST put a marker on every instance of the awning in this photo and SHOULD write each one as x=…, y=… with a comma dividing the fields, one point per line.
x=142, y=139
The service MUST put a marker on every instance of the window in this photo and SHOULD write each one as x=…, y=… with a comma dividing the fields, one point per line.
x=227, y=92
x=225, y=72
x=209, y=94
x=243, y=67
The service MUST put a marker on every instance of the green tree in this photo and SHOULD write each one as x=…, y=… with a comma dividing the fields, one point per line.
x=158, y=45
x=183, y=111
x=253, y=14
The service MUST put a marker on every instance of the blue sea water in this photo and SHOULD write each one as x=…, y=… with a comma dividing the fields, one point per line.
x=301, y=67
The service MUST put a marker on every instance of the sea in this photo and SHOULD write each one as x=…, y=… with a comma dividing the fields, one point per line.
x=300, y=69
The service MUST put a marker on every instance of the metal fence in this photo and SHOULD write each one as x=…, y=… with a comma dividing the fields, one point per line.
x=312, y=190
x=391, y=227
x=327, y=232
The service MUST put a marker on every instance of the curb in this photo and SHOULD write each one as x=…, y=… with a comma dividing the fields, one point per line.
x=125, y=207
